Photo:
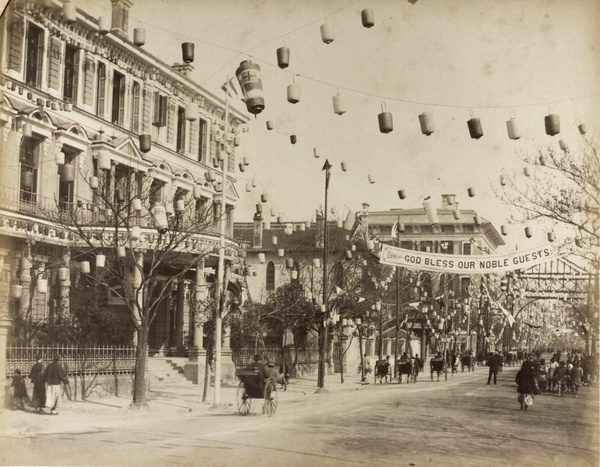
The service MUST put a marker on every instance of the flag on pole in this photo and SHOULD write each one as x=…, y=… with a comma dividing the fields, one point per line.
x=229, y=88
x=509, y=317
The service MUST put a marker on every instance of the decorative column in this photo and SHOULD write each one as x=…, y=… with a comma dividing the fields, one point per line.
x=180, y=309
x=25, y=279
x=5, y=324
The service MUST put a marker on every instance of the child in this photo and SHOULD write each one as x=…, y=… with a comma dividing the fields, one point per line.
x=561, y=377
x=20, y=390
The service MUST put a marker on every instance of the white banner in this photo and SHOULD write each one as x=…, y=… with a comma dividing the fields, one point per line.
x=468, y=264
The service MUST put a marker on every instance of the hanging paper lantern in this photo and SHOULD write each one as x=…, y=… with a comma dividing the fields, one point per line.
x=476, y=221
x=248, y=76
x=269, y=125
x=145, y=143
x=104, y=161
x=68, y=173
x=316, y=262
x=64, y=274
x=280, y=252
x=426, y=122
x=475, y=129
x=527, y=171
x=187, y=50
x=60, y=158
x=273, y=239
x=502, y=180
x=456, y=214
x=283, y=57
x=180, y=205
x=104, y=25
x=93, y=182
x=340, y=222
x=371, y=179
x=191, y=111
x=326, y=33
x=513, y=129
x=84, y=266
x=542, y=161
x=386, y=124
x=261, y=258
x=242, y=167
x=294, y=274
x=430, y=211
x=302, y=227
x=267, y=225
x=139, y=36
x=293, y=93
x=197, y=191
x=348, y=254
x=16, y=290
x=159, y=215
x=563, y=145
x=370, y=244
x=293, y=139
x=121, y=252
x=42, y=285
x=246, y=160
x=69, y=12
x=528, y=232
x=248, y=187
x=504, y=230
x=368, y=18
x=289, y=263
x=401, y=227
x=578, y=242
x=344, y=166
x=471, y=192
x=289, y=229
x=259, y=208
x=552, y=123
x=582, y=128
x=280, y=219
x=210, y=176
x=136, y=233
x=236, y=140
x=401, y=194
x=339, y=104
x=100, y=261
x=551, y=236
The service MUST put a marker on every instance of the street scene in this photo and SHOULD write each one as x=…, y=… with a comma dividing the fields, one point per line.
x=332, y=231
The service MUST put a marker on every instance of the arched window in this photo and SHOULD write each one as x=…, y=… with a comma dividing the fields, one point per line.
x=270, y=276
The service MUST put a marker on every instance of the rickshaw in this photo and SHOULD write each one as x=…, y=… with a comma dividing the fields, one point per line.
x=254, y=386
x=405, y=367
x=438, y=365
x=382, y=368
x=467, y=361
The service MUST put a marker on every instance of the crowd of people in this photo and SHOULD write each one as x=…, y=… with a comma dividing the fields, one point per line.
x=47, y=381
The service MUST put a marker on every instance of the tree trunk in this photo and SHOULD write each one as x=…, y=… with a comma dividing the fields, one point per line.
x=206, y=374
x=139, y=384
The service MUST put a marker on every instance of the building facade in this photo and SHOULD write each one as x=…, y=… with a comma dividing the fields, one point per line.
x=81, y=101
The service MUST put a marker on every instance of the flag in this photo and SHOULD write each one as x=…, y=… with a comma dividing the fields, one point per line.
x=509, y=317
x=414, y=305
x=338, y=291
x=360, y=299
x=229, y=88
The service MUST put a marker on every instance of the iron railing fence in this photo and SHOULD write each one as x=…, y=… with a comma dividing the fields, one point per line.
x=76, y=361
x=245, y=356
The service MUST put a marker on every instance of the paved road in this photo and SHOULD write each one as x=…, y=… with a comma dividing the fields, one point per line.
x=459, y=422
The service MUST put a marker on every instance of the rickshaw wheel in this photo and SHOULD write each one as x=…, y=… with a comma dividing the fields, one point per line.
x=270, y=405
x=244, y=402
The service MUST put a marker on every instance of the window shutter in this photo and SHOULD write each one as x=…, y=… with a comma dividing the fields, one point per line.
x=231, y=161
x=156, y=110
x=194, y=135
x=89, y=69
x=76, y=76
x=54, y=46
x=171, y=124
x=147, y=111
x=15, y=53
x=163, y=111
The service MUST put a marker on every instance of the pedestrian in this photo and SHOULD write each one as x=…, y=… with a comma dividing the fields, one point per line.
x=19, y=390
x=576, y=378
x=389, y=369
x=525, y=385
x=36, y=374
x=54, y=375
x=494, y=364
x=552, y=366
x=561, y=377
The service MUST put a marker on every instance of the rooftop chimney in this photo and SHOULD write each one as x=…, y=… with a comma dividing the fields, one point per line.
x=120, y=18
x=448, y=202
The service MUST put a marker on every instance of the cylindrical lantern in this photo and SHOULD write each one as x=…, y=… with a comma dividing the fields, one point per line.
x=326, y=33
x=293, y=139
x=426, y=122
x=513, y=129
x=527, y=171
x=27, y=130
x=85, y=267
x=236, y=140
x=551, y=236
x=259, y=208
x=502, y=180
x=370, y=178
x=104, y=160
x=476, y=220
x=197, y=192
x=344, y=166
x=26, y=180
x=368, y=18
x=563, y=145
x=283, y=57
x=104, y=24
x=552, y=123
x=100, y=261
x=93, y=182
x=242, y=167
x=475, y=129
x=274, y=239
x=64, y=274
x=69, y=12
x=136, y=204
x=180, y=205
x=316, y=153
x=281, y=252
x=68, y=173
x=401, y=194
x=60, y=158
x=289, y=263
x=386, y=123
x=42, y=285
x=316, y=262
x=267, y=225
x=139, y=36
x=248, y=76
x=528, y=232
x=401, y=227
x=191, y=111
x=542, y=160
x=456, y=214
x=136, y=233
x=121, y=252
x=269, y=125
x=370, y=244
x=210, y=176
x=261, y=258
x=187, y=50
x=471, y=192
x=120, y=195
x=340, y=222
x=582, y=128
x=294, y=274
x=339, y=104
x=159, y=215
x=17, y=291
x=430, y=211
x=293, y=93
x=348, y=254
x=145, y=143
x=263, y=198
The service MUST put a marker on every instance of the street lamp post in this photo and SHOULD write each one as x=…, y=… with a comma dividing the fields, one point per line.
x=322, y=323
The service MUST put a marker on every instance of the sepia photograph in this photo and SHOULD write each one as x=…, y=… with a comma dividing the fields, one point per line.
x=299, y=233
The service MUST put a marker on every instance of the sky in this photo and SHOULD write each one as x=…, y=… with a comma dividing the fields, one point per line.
x=456, y=59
